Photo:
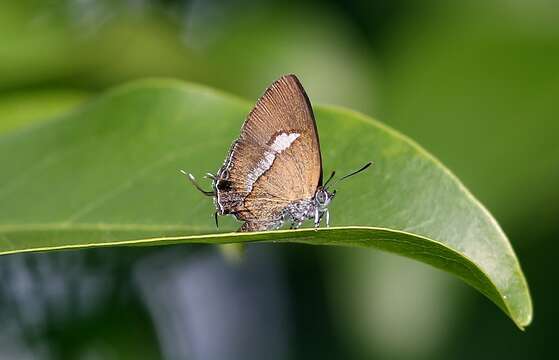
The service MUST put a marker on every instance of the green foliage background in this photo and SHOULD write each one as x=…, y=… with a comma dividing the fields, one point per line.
x=474, y=83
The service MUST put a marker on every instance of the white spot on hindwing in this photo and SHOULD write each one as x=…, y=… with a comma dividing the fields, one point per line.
x=281, y=143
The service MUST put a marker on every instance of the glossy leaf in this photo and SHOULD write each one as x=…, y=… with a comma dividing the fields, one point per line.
x=107, y=175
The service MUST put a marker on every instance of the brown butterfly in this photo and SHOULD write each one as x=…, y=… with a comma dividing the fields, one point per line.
x=273, y=172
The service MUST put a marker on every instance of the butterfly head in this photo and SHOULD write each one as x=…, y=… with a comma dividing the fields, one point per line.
x=323, y=197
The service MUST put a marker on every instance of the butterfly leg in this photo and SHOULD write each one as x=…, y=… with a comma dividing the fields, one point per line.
x=327, y=218
x=316, y=219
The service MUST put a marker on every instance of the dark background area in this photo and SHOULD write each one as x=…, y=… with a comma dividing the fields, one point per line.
x=476, y=83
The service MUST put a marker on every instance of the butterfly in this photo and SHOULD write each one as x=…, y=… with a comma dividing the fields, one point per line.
x=273, y=172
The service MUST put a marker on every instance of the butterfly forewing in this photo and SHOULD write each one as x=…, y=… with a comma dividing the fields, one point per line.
x=276, y=159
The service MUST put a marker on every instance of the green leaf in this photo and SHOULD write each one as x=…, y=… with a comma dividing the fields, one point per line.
x=107, y=175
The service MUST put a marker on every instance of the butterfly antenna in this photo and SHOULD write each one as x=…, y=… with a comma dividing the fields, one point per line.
x=364, y=167
x=193, y=181
x=330, y=178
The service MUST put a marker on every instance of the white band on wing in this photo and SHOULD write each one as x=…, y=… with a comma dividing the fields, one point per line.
x=281, y=143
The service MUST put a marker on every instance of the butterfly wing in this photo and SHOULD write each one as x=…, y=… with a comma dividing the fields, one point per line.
x=276, y=160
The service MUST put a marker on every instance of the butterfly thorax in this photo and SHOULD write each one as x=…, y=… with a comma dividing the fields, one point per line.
x=300, y=210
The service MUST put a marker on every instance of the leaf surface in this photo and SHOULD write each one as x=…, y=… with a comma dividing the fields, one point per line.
x=107, y=175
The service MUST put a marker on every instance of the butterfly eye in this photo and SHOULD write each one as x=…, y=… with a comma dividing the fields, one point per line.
x=321, y=197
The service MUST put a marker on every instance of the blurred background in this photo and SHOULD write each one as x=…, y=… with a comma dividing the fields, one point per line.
x=475, y=82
